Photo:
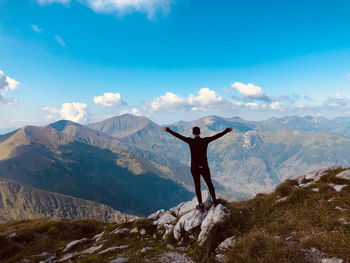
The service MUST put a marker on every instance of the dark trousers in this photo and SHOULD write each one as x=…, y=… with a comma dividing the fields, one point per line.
x=205, y=172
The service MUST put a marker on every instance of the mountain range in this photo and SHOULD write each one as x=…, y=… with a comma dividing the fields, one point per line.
x=129, y=164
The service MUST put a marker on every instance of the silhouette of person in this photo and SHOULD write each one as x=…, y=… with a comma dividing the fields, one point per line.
x=199, y=161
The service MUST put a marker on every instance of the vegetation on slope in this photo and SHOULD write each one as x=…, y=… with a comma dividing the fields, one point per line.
x=278, y=227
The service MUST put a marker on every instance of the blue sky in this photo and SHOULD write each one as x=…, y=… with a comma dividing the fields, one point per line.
x=169, y=60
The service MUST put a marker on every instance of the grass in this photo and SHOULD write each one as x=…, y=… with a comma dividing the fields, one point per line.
x=265, y=230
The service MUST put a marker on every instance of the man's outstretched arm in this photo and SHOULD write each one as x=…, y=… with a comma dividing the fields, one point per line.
x=220, y=134
x=183, y=138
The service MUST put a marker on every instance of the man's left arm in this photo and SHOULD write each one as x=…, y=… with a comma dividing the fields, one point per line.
x=220, y=134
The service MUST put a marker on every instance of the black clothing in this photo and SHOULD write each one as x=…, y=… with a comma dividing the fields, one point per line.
x=198, y=147
x=205, y=172
x=199, y=161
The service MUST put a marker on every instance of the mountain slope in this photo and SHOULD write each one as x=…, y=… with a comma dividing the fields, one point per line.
x=255, y=156
x=47, y=159
x=18, y=202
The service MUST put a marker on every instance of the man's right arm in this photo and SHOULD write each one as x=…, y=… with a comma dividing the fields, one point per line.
x=183, y=138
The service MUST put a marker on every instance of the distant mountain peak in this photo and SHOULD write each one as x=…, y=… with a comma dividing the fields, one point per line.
x=62, y=124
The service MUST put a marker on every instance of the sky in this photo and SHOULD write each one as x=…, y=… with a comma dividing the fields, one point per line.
x=172, y=60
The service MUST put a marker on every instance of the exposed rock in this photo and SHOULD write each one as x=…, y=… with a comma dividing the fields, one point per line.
x=134, y=230
x=337, y=187
x=226, y=244
x=68, y=256
x=145, y=249
x=215, y=215
x=74, y=243
x=142, y=232
x=168, y=229
x=12, y=236
x=156, y=215
x=119, y=260
x=220, y=258
x=98, y=236
x=113, y=248
x=173, y=257
x=166, y=218
x=122, y=230
x=315, y=189
x=316, y=175
x=339, y=208
x=186, y=207
x=282, y=199
x=332, y=260
x=43, y=255
x=92, y=249
x=188, y=222
x=344, y=175
x=343, y=221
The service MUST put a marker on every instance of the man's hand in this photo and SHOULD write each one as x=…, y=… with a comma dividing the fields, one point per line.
x=228, y=129
x=164, y=128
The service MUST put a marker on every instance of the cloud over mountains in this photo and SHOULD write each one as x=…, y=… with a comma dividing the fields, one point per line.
x=7, y=84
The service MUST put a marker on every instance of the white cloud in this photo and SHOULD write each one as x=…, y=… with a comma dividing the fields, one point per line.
x=133, y=111
x=205, y=100
x=7, y=84
x=36, y=28
x=252, y=105
x=250, y=91
x=150, y=7
x=276, y=105
x=60, y=41
x=75, y=111
x=109, y=99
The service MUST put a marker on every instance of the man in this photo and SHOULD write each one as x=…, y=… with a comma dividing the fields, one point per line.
x=199, y=161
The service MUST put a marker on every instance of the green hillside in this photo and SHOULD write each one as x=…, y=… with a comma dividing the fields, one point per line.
x=303, y=220
x=48, y=159
x=19, y=202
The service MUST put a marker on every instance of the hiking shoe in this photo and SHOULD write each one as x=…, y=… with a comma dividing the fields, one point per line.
x=200, y=208
x=216, y=202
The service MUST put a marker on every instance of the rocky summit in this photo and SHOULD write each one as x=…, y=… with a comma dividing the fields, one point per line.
x=305, y=219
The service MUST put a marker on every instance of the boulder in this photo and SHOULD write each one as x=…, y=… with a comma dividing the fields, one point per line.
x=186, y=207
x=145, y=249
x=122, y=230
x=332, y=260
x=98, y=236
x=215, y=215
x=156, y=215
x=92, y=249
x=226, y=244
x=166, y=218
x=74, y=243
x=68, y=256
x=337, y=187
x=344, y=175
x=188, y=222
x=113, y=248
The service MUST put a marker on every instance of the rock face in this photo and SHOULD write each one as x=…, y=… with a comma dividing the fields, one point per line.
x=74, y=243
x=185, y=218
x=226, y=244
x=344, y=175
x=215, y=215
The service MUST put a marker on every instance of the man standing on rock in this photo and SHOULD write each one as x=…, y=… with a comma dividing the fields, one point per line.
x=199, y=161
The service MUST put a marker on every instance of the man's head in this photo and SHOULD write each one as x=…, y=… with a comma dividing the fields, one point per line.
x=196, y=131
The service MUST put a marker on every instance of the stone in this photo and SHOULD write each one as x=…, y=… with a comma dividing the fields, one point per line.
x=226, y=244
x=339, y=208
x=220, y=258
x=98, y=236
x=92, y=249
x=215, y=215
x=142, y=232
x=166, y=218
x=74, y=243
x=337, y=187
x=315, y=189
x=344, y=175
x=188, y=222
x=119, y=260
x=316, y=175
x=343, y=221
x=68, y=256
x=49, y=260
x=145, y=249
x=173, y=257
x=332, y=260
x=189, y=206
x=13, y=235
x=281, y=199
x=168, y=229
x=118, y=231
x=134, y=230
x=113, y=248
x=156, y=215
